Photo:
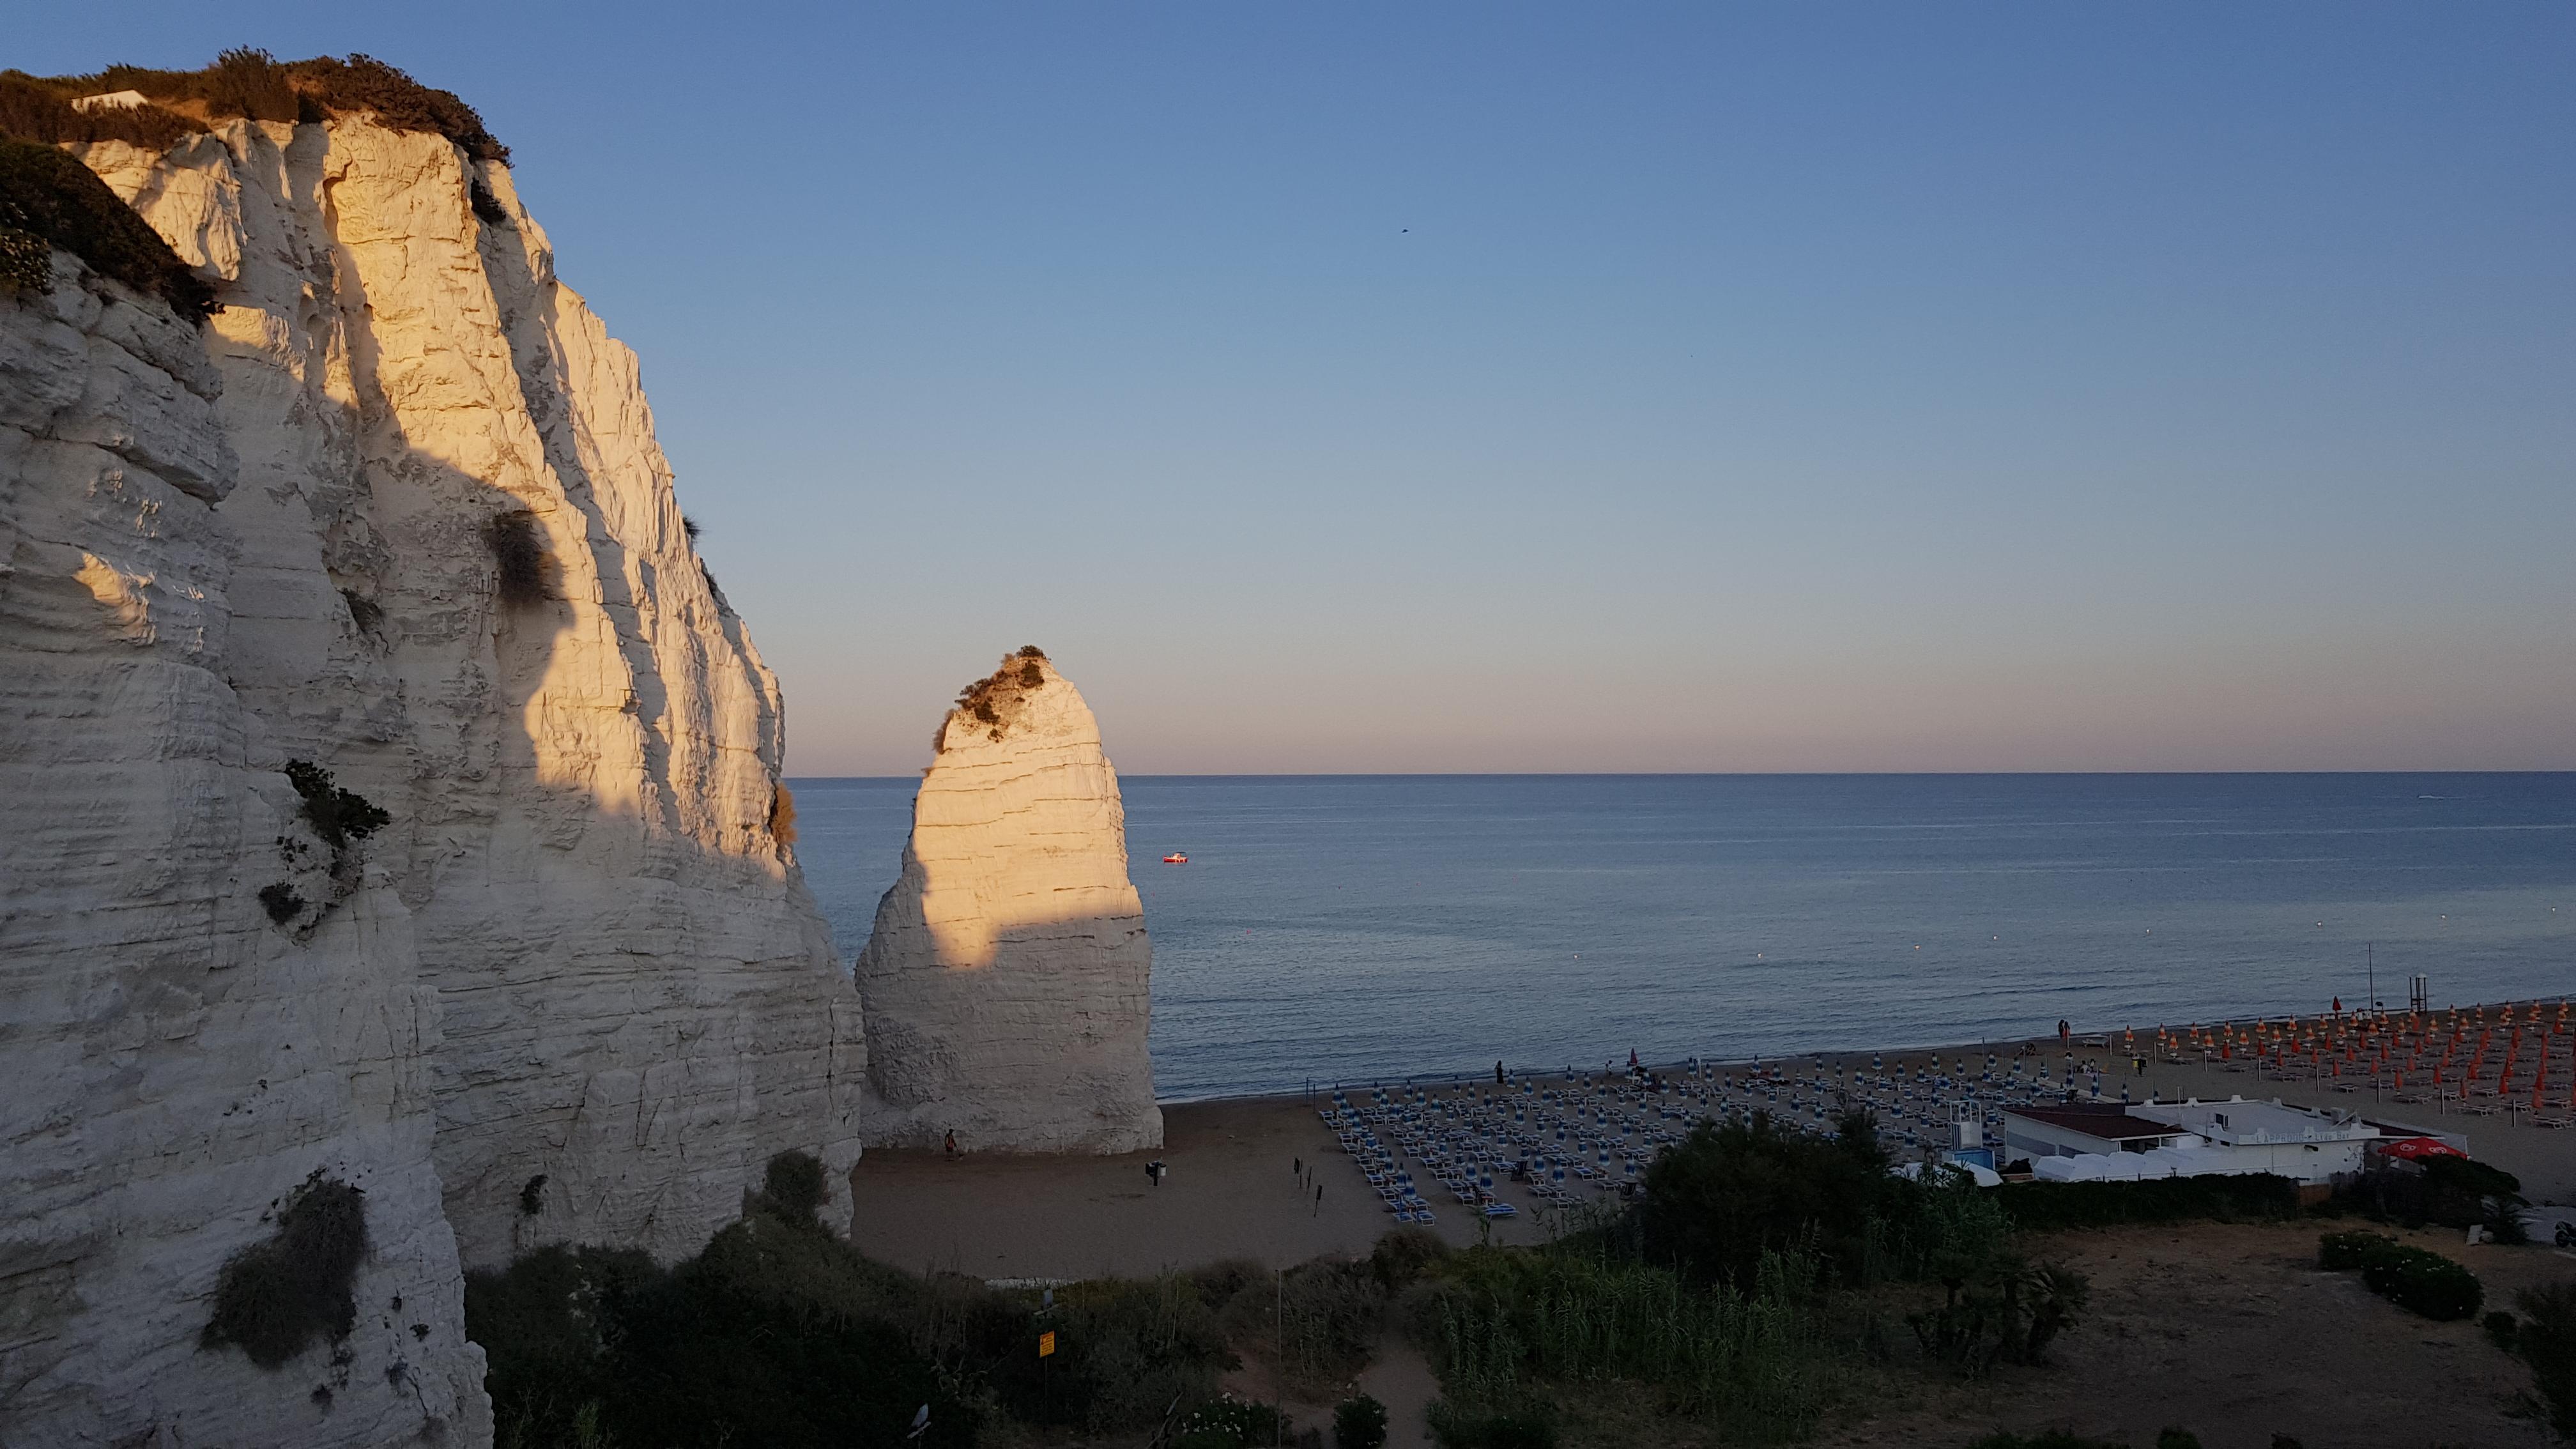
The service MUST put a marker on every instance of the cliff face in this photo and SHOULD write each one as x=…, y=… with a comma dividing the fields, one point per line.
x=396, y=510
x=1006, y=978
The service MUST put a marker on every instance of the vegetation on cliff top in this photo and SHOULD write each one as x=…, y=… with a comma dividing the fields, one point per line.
x=242, y=83
x=989, y=700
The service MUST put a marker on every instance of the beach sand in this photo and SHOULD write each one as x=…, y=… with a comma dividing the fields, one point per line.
x=1231, y=1192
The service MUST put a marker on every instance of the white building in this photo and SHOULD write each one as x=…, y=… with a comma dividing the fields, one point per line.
x=2098, y=1142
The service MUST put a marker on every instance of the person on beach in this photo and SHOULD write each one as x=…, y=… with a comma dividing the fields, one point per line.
x=950, y=1147
x=1498, y=1074
x=1319, y=1201
x=2064, y=1032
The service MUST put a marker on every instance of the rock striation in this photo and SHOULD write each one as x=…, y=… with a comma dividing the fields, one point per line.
x=1006, y=978
x=396, y=511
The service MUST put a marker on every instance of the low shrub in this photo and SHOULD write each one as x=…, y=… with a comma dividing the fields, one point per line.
x=275, y=1296
x=775, y=1334
x=39, y=111
x=2412, y=1278
x=1359, y=1422
x=2046, y=1206
x=47, y=194
x=254, y=84
x=2342, y=1252
x=1529, y=1424
x=782, y=814
x=2009, y=1311
x=1228, y=1423
x=2546, y=1340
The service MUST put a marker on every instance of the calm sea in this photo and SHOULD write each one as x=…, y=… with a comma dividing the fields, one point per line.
x=1356, y=927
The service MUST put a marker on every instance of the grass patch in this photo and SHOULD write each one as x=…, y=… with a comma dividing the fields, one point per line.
x=274, y=1297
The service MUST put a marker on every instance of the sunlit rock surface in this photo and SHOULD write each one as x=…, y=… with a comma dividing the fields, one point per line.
x=578, y=952
x=1006, y=979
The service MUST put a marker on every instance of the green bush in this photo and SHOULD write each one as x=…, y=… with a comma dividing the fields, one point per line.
x=273, y=1297
x=1725, y=1196
x=776, y=1334
x=2342, y=1252
x=48, y=194
x=2008, y=1311
x=2546, y=1340
x=2422, y=1282
x=2045, y=1206
x=1228, y=1423
x=1359, y=1422
x=2052, y=1439
x=1530, y=1424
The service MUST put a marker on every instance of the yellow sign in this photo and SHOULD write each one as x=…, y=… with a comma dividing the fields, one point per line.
x=1046, y=1343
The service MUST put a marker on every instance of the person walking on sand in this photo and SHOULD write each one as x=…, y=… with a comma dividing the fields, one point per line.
x=950, y=1147
x=1319, y=1201
x=2064, y=1032
x=1498, y=1073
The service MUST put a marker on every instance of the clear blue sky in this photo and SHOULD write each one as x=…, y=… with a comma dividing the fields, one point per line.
x=1422, y=387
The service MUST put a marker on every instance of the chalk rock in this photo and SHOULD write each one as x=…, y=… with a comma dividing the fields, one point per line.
x=172, y=1062
x=1006, y=980
x=575, y=989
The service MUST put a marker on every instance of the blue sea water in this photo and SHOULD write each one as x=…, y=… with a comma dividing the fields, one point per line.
x=1360, y=927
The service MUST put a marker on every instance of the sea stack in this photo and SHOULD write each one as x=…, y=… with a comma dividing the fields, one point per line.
x=1006, y=982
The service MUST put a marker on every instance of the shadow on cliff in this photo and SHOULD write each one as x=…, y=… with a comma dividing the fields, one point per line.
x=569, y=1052
x=1021, y=1029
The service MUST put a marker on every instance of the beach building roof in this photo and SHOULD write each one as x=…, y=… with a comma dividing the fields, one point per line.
x=2237, y=1122
x=2111, y=1124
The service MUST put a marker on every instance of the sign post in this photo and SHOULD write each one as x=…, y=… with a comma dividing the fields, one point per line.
x=1046, y=1350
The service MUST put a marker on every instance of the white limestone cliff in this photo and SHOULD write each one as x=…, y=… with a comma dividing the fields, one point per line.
x=1006, y=978
x=578, y=952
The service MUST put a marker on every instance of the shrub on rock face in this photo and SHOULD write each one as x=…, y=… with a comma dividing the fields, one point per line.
x=518, y=558
x=48, y=195
x=281, y=902
x=274, y=1297
x=338, y=816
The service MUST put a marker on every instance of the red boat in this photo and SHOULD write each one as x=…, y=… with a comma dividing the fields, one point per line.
x=1176, y=858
